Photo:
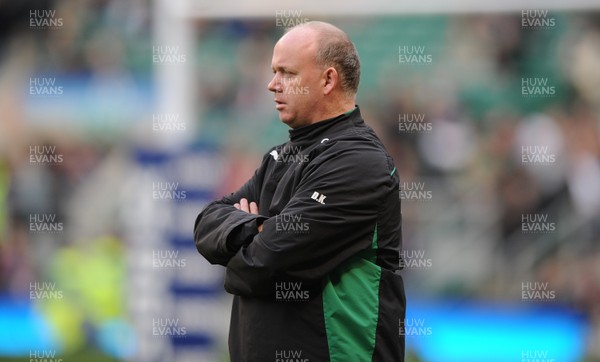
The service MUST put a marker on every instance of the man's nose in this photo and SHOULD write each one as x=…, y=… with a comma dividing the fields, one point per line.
x=274, y=85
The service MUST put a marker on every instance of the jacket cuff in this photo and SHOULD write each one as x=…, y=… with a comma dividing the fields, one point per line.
x=243, y=234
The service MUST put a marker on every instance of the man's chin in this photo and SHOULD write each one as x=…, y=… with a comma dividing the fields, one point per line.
x=287, y=119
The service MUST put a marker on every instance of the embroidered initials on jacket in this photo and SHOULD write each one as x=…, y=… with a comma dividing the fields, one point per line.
x=320, y=198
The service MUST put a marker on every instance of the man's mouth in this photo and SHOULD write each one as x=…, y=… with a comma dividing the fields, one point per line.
x=279, y=104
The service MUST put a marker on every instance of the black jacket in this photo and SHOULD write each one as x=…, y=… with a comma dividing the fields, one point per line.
x=319, y=283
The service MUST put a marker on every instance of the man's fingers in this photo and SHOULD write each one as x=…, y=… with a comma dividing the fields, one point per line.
x=244, y=205
x=253, y=208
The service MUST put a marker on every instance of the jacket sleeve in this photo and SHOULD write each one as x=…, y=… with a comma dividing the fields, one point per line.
x=331, y=217
x=220, y=229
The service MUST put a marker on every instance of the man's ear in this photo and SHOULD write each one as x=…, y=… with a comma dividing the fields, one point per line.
x=331, y=79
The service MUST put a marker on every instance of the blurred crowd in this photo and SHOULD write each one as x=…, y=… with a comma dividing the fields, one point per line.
x=470, y=155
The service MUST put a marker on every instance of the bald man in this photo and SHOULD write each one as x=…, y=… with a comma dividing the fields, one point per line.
x=311, y=242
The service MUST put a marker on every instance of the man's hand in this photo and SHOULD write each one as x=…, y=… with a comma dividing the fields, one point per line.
x=252, y=209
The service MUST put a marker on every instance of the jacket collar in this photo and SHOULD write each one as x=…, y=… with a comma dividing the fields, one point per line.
x=322, y=128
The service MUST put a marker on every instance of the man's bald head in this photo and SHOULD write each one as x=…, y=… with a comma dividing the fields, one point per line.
x=315, y=74
x=333, y=49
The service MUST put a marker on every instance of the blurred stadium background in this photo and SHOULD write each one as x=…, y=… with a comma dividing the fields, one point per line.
x=121, y=120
